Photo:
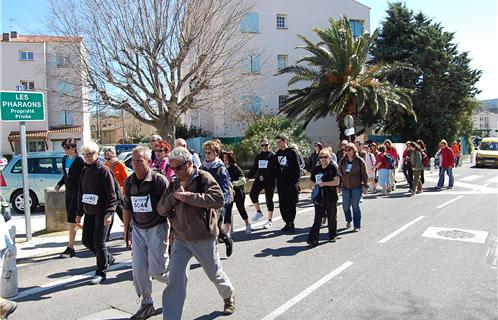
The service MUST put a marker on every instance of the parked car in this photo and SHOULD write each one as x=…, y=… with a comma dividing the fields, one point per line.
x=120, y=148
x=126, y=158
x=487, y=153
x=44, y=170
x=3, y=161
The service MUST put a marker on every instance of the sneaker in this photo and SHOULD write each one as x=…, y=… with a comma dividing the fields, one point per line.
x=324, y=221
x=97, y=279
x=229, y=246
x=292, y=228
x=286, y=228
x=348, y=225
x=356, y=230
x=229, y=306
x=418, y=191
x=259, y=215
x=248, y=229
x=68, y=253
x=267, y=225
x=146, y=310
x=334, y=239
x=7, y=307
x=312, y=243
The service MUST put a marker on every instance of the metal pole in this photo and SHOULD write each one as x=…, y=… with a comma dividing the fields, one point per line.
x=123, y=124
x=24, y=162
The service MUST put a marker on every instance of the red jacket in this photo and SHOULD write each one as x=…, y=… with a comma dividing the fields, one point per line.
x=448, y=158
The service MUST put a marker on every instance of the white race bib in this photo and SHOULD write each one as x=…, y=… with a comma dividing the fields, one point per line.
x=263, y=164
x=141, y=204
x=89, y=198
x=282, y=160
x=348, y=167
x=318, y=178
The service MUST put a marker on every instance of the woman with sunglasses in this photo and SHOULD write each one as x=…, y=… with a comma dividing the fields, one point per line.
x=325, y=177
x=264, y=178
x=354, y=182
x=161, y=163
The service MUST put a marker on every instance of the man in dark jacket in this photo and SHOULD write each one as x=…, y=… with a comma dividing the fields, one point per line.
x=287, y=172
x=72, y=163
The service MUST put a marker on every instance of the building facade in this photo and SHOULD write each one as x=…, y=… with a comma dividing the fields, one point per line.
x=52, y=65
x=274, y=26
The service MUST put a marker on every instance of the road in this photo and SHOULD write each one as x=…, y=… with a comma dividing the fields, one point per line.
x=430, y=256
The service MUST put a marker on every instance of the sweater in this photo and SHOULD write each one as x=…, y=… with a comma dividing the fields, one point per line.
x=356, y=176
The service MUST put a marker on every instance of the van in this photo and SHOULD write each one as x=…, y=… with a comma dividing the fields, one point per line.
x=487, y=153
x=44, y=171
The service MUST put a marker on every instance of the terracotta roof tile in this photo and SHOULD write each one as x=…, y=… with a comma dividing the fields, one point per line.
x=44, y=38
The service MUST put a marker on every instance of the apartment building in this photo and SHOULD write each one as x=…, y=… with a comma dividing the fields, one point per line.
x=485, y=118
x=111, y=129
x=273, y=27
x=52, y=65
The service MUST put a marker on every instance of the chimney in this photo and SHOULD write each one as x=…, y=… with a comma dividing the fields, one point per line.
x=5, y=37
x=13, y=34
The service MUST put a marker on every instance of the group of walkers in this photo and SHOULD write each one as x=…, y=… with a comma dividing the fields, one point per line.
x=175, y=206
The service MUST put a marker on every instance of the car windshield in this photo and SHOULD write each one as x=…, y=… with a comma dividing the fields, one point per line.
x=489, y=146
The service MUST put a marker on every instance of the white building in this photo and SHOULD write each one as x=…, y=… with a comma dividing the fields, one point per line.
x=274, y=26
x=51, y=65
x=487, y=122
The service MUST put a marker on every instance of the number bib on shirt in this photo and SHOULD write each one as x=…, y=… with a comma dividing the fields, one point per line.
x=263, y=164
x=349, y=166
x=282, y=160
x=141, y=204
x=318, y=178
x=89, y=198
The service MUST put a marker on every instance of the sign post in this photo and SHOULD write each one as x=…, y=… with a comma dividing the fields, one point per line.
x=349, y=123
x=20, y=106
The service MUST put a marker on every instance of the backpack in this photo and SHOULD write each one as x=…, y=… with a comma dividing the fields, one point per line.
x=390, y=160
x=230, y=185
x=425, y=159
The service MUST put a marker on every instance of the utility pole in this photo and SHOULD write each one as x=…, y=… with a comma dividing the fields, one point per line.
x=123, y=125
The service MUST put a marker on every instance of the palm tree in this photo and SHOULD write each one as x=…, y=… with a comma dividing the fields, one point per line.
x=340, y=81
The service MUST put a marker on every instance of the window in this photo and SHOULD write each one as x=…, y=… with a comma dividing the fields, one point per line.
x=63, y=60
x=251, y=104
x=356, y=27
x=28, y=85
x=251, y=64
x=250, y=23
x=17, y=168
x=26, y=56
x=281, y=101
x=281, y=21
x=65, y=88
x=36, y=146
x=66, y=118
x=282, y=61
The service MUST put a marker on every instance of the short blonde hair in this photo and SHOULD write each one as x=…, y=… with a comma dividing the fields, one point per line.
x=90, y=147
x=327, y=151
x=212, y=145
x=444, y=142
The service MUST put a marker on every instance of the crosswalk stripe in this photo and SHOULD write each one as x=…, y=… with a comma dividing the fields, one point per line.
x=492, y=180
x=471, y=177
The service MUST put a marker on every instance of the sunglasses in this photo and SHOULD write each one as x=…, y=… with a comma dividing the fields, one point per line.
x=324, y=157
x=108, y=158
x=89, y=154
x=160, y=150
x=264, y=145
x=347, y=150
x=208, y=152
x=178, y=167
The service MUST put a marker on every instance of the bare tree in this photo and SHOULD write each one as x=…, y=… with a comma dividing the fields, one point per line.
x=156, y=59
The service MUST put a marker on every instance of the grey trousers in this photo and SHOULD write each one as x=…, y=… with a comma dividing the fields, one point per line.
x=206, y=253
x=149, y=257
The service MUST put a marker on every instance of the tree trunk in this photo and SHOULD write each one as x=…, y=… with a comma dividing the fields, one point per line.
x=166, y=128
x=349, y=109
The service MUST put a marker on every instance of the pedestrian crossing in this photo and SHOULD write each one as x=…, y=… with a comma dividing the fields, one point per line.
x=471, y=177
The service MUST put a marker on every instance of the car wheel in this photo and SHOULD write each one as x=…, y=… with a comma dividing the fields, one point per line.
x=17, y=201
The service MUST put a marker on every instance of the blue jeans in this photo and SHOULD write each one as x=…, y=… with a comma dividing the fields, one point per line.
x=442, y=172
x=351, y=198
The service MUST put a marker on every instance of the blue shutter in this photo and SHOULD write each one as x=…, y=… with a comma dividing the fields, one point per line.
x=246, y=63
x=246, y=103
x=250, y=22
x=69, y=118
x=256, y=104
x=356, y=27
x=256, y=63
x=52, y=60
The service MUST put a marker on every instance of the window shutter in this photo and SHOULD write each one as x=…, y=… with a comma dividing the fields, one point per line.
x=250, y=23
x=256, y=63
x=246, y=64
x=256, y=104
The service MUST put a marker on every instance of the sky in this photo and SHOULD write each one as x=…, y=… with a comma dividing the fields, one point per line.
x=474, y=23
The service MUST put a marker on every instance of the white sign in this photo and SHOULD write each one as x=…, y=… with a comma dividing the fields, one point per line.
x=141, y=204
x=263, y=164
x=89, y=198
x=318, y=178
x=282, y=160
x=349, y=132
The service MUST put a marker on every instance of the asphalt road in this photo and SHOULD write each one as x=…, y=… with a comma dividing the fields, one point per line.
x=394, y=268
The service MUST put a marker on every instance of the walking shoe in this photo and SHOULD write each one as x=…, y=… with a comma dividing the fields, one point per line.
x=146, y=310
x=418, y=191
x=286, y=228
x=68, y=253
x=229, y=306
x=292, y=228
x=312, y=243
x=348, y=225
x=258, y=216
x=324, y=221
x=267, y=225
x=248, y=229
x=7, y=307
x=356, y=229
x=229, y=245
x=97, y=279
x=334, y=239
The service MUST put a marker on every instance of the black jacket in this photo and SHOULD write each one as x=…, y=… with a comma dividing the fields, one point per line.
x=71, y=177
x=268, y=173
x=97, y=181
x=287, y=170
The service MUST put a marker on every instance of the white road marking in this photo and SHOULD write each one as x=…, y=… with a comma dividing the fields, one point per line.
x=465, y=185
x=455, y=192
x=455, y=234
x=286, y=306
x=448, y=202
x=471, y=177
x=62, y=282
x=260, y=224
x=403, y=228
x=492, y=180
